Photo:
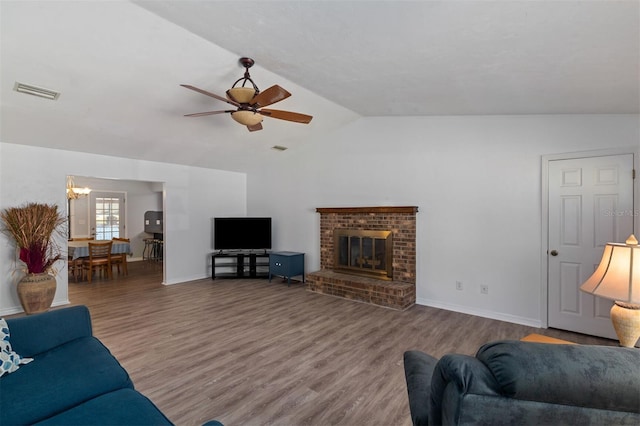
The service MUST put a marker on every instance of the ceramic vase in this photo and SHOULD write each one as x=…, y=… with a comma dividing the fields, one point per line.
x=36, y=292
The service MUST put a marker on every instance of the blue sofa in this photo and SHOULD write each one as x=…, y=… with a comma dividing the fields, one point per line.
x=525, y=383
x=73, y=379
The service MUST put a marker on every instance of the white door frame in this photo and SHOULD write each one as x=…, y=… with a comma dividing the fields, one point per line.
x=544, y=213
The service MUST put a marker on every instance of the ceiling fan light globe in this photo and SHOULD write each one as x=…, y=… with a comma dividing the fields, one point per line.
x=242, y=95
x=248, y=118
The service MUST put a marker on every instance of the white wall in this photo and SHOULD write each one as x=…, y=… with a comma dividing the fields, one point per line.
x=192, y=197
x=137, y=206
x=476, y=181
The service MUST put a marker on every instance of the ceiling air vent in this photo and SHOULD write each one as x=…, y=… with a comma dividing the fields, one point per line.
x=36, y=91
x=279, y=148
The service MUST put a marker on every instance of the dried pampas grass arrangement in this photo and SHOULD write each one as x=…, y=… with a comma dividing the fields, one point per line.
x=32, y=227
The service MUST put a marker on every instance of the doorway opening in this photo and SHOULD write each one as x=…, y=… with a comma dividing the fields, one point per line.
x=115, y=208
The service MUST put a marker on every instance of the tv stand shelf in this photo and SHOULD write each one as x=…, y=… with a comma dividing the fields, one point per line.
x=239, y=265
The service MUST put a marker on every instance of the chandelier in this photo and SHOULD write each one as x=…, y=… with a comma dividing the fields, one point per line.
x=73, y=192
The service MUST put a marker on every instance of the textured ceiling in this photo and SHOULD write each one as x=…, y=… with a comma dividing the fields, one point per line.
x=381, y=58
x=119, y=64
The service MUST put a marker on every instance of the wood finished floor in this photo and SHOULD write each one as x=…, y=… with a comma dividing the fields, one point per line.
x=250, y=352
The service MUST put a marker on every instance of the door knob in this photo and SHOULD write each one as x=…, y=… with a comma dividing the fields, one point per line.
x=553, y=252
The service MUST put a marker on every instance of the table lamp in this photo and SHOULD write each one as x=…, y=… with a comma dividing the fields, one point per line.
x=617, y=277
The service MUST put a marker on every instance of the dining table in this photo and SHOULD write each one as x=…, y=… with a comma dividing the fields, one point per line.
x=78, y=249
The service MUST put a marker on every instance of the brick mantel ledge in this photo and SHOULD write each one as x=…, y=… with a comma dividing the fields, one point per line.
x=380, y=209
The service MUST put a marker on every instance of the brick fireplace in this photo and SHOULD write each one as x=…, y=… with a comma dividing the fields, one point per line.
x=396, y=288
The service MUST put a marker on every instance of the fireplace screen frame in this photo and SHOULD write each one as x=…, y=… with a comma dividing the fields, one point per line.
x=362, y=269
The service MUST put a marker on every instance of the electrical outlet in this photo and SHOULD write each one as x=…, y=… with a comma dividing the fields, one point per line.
x=484, y=289
x=458, y=285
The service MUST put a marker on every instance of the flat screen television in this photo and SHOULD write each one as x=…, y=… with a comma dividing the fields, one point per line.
x=242, y=233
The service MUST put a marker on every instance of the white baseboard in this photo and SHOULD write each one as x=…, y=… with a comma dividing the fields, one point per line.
x=480, y=313
x=12, y=310
x=18, y=309
x=184, y=280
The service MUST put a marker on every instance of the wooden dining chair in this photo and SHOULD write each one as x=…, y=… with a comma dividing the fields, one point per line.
x=118, y=259
x=99, y=259
x=75, y=265
x=72, y=268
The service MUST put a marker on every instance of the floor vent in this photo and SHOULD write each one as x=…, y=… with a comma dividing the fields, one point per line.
x=36, y=91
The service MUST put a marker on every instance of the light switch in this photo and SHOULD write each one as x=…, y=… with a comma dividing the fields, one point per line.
x=146, y=222
x=157, y=221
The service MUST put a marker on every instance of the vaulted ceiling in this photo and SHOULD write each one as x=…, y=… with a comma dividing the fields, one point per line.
x=119, y=64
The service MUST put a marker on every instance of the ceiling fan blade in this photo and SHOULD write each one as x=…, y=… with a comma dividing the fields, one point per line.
x=286, y=115
x=213, y=95
x=255, y=127
x=200, y=114
x=269, y=96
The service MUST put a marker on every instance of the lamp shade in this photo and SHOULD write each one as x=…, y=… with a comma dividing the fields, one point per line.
x=242, y=95
x=617, y=277
x=248, y=118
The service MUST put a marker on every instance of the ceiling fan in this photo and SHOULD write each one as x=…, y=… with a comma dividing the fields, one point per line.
x=249, y=101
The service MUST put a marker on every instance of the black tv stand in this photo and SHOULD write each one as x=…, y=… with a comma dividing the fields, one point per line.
x=239, y=264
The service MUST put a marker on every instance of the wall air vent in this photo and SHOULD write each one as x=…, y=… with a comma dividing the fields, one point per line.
x=279, y=148
x=36, y=91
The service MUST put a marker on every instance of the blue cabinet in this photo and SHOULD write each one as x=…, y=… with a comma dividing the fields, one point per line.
x=286, y=264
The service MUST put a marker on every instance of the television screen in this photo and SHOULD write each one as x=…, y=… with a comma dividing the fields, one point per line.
x=241, y=233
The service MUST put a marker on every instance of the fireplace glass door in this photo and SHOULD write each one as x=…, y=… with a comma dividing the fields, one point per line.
x=363, y=252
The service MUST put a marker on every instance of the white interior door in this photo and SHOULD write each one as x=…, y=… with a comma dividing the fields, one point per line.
x=107, y=215
x=590, y=203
